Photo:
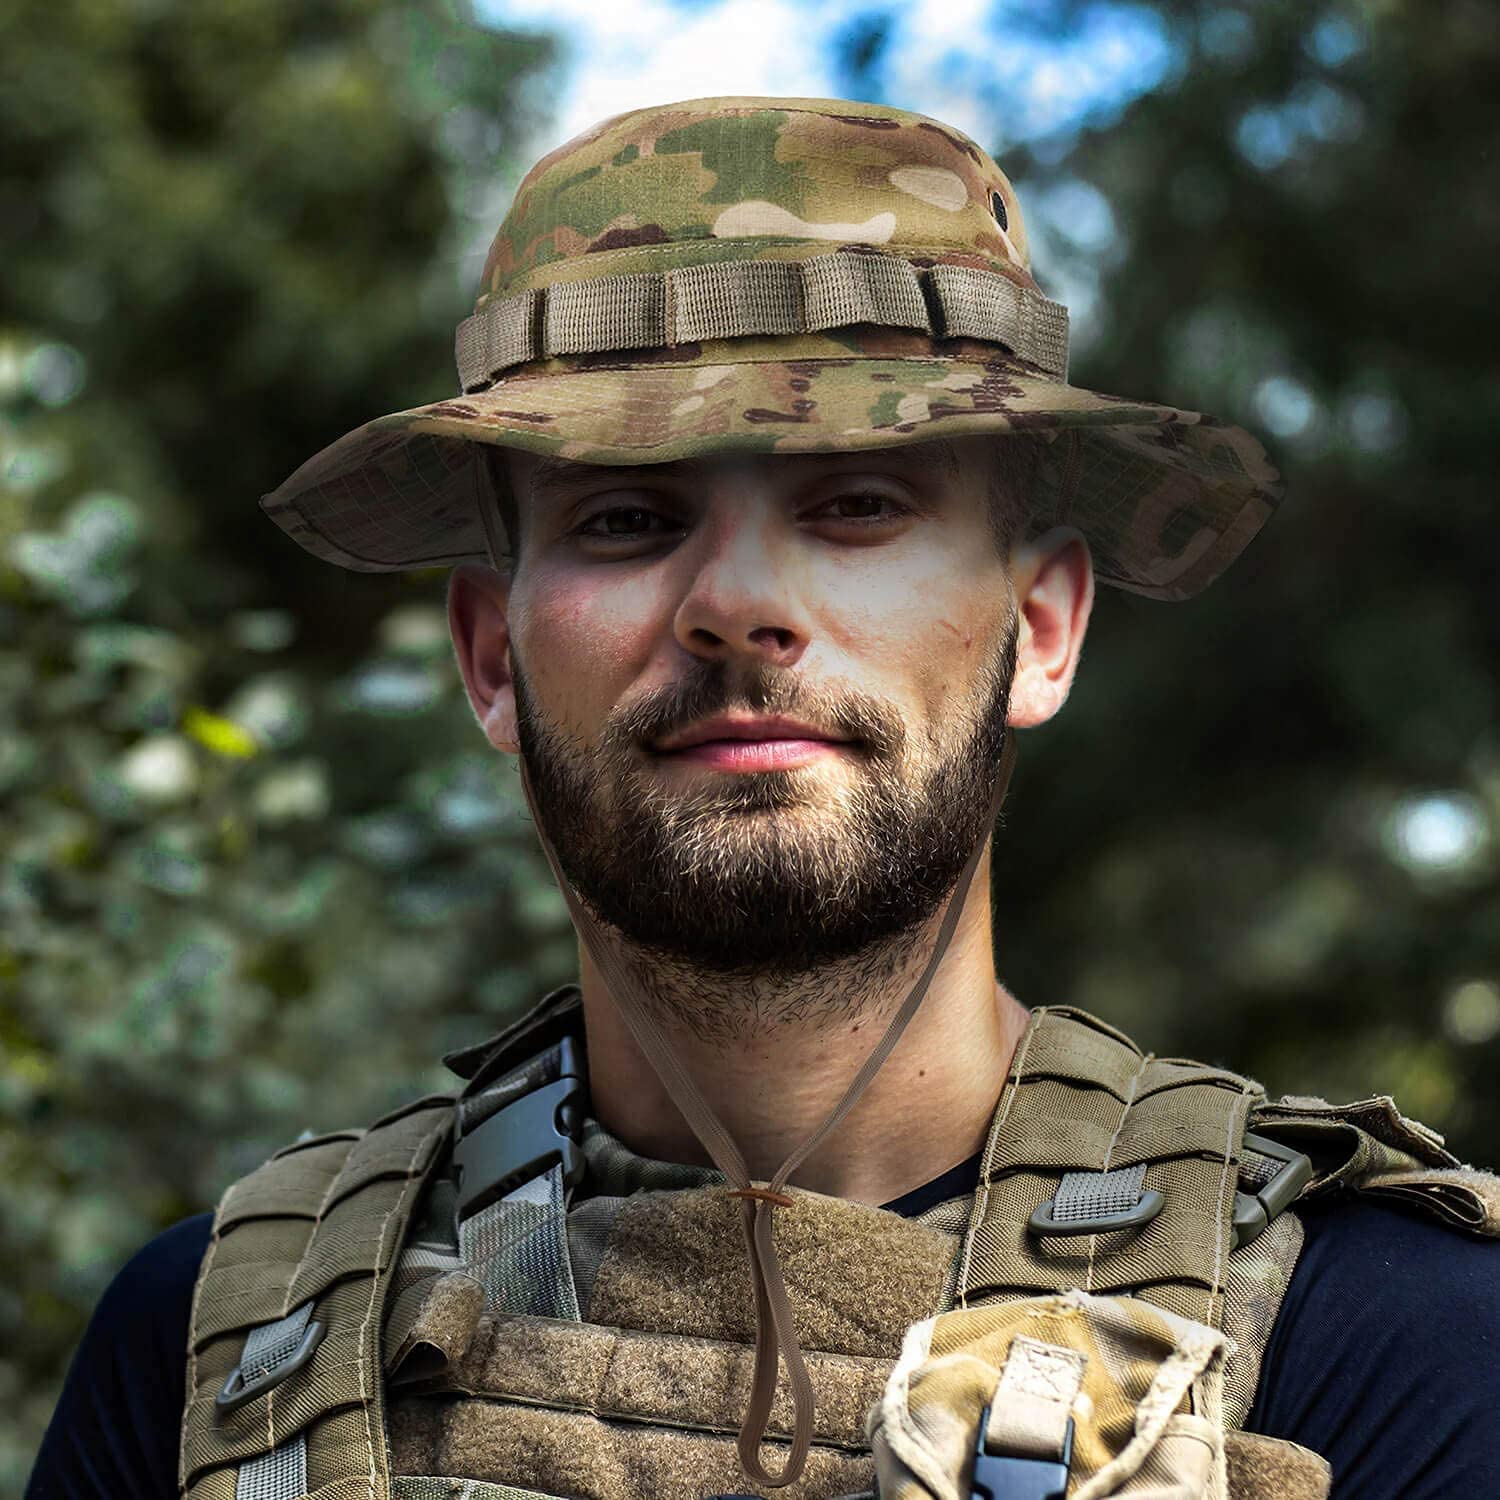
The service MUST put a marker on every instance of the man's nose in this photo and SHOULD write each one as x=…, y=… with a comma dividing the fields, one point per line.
x=746, y=593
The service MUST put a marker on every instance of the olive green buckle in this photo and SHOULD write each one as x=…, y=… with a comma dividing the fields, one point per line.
x=1254, y=1211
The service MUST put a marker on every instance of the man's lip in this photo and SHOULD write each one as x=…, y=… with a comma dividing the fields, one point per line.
x=744, y=729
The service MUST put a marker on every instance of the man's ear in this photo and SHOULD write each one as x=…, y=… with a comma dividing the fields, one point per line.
x=1054, y=583
x=478, y=601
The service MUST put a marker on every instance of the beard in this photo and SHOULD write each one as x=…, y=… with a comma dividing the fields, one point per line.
x=767, y=877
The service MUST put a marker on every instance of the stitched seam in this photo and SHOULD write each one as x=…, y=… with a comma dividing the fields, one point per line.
x=192, y=1375
x=1015, y=1080
x=1235, y=1121
x=764, y=241
x=366, y=1402
x=626, y=367
x=982, y=1194
x=1109, y=1152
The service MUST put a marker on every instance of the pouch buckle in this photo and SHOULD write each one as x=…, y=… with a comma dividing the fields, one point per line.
x=239, y=1388
x=1254, y=1211
x=523, y=1139
x=1004, y=1476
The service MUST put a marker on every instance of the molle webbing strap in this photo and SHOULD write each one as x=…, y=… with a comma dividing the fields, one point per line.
x=316, y=1228
x=744, y=298
x=775, y=1335
x=280, y=1474
x=1082, y=1099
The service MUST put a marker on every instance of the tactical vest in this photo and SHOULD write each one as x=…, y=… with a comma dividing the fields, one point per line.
x=417, y=1311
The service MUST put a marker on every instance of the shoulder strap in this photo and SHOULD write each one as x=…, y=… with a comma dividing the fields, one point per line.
x=1371, y=1147
x=1109, y=1170
x=283, y=1379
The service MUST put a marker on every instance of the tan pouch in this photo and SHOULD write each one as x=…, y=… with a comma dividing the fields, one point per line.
x=1117, y=1396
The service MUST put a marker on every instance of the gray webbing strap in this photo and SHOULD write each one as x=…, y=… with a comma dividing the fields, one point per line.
x=280, y=1474
x=744, y=298
x=1087, y=1195
x=517, y=1249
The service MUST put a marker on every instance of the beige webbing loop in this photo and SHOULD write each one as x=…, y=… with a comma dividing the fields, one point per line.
x=774, y=1331
x=749, y=298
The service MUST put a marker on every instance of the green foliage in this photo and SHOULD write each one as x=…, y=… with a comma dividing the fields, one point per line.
x=250, y=828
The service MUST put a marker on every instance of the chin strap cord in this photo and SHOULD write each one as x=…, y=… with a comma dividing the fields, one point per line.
x=774, y=1333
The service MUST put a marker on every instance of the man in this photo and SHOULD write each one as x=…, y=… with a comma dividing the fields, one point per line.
x=790, y=520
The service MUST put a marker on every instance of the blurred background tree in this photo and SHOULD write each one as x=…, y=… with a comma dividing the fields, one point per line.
x=246, y=832
x=250, y=831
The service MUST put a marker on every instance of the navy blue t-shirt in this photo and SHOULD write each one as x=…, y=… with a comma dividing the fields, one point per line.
x=1383, y=1359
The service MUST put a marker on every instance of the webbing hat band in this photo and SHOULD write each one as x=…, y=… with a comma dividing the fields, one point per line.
x=736, y=299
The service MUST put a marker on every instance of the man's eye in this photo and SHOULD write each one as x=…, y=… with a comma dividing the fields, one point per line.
x=862, y=506
x=622, y=522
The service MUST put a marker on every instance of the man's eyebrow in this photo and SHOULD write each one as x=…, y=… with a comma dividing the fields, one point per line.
x=565, y=473
x=561, y=474
x=947, y=455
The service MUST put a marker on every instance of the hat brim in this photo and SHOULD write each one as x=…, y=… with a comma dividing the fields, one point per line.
x=1167, y=498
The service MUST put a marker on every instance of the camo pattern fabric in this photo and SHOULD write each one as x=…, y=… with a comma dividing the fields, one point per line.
x=1131, y=1393
x=1166, y=497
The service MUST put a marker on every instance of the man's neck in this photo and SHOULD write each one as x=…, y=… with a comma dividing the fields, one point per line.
x=928, y=1108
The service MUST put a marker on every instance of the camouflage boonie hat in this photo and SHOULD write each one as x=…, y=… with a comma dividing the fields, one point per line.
x=779, y=276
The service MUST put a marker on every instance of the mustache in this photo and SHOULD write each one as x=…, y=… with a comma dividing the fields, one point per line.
x=714, y=688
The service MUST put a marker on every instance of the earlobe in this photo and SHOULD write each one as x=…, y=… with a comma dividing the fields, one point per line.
x=478, y=599
x=500, y=727
x=1054, y=582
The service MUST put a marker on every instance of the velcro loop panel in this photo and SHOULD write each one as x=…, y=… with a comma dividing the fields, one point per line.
x=1461, y=1196
x=759, y=298
x=1267, y=1468
x=540, y=1451
x=431, y=1325
x=632, y=1376
x=1351, y=1142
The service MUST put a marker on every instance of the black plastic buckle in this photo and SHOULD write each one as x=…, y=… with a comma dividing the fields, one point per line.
x=1003, y=1476
x=1143, y=1211
x=240, y=1388
x=523, y=1140
x=1252, y=1212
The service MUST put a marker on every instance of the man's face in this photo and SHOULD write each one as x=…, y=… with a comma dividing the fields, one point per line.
x=860, y=594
